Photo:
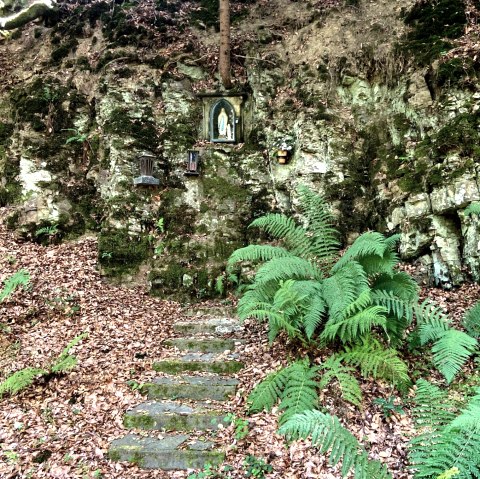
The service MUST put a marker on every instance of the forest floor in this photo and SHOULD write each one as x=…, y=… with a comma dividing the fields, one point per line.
x=61, y=427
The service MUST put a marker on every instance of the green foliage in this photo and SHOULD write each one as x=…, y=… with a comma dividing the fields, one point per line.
x=471, y=321
x=20, y=380
x=294, y=386
x=333, y=370
x=376, y=361
x=451, y=348
x=49, y=231
x=240, y=426
x=447, y=440
x=472, y=209
x=255, y=467
x=20, y=278
x=299, y=289
x=388, y=406
x=331, y=437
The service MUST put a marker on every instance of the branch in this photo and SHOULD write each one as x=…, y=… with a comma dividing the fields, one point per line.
x=32, y=12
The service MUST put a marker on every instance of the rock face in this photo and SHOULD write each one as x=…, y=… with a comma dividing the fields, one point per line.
x=386, y=131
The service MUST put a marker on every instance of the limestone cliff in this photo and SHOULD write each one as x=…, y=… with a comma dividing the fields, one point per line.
x=381, y=118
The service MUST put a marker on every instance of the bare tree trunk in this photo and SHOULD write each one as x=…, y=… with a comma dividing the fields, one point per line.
x=224, y=57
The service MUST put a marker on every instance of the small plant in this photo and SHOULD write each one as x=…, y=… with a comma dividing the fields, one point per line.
x=77, y=137
x=256, y=467
x=388, y=406
x=134, y=385
x=20, y=278
x=20, y=380
x=49, y=231
x=208, y=472
x=12, y=456
x=160, y=225
x=107, y=254
x=240, y=426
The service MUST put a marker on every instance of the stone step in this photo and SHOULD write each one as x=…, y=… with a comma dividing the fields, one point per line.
x=171, y=452
x=210, y=345
x=209, y=326
x=173, y=416
x=199, y=388
x=199, y=362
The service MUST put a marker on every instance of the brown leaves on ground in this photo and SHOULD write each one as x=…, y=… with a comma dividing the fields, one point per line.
x=61, y=426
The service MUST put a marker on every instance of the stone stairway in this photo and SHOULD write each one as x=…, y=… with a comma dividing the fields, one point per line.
x=196, y=379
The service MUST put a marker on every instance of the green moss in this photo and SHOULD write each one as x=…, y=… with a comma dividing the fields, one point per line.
x=143, y=131
x=63, y=50
x=138, y=421
x=456, y=72
x=221, y=189
x=120, y=253
x=433, y=23
x=6, y=130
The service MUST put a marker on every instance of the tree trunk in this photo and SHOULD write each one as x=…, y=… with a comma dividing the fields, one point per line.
x=26, y=15
x=224, y=57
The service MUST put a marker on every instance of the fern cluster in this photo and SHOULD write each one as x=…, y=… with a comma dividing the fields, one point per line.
x=448, y=441
x=451, y=347
x=20, y=380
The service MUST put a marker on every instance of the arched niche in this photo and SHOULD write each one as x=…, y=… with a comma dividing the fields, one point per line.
x=223, y=122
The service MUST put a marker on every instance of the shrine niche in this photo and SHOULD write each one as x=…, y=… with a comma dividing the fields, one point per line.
x=222, y=118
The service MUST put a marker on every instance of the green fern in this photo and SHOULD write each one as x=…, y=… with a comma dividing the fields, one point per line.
x=257, y=253
x=20, y=278
x=445, y=441
x=472, y=209
x=471, y=321
x=300, y=393
x=451, y=348
x=331, y=437
x=451, y=351
x=18, y=381
x=332, y=369
x=66, y=361
x=377, y=362
x=266, y=394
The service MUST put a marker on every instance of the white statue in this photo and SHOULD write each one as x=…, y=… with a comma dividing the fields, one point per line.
x=223, y=124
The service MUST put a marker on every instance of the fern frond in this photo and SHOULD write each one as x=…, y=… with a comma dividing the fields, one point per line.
x=432, y=322
x=394, y=305
x=292, y=267
x=266, y=394
x=63, y=364
x=284, y=228
x=400, y=284
x=20, y=278
x=451, y=351
x=375, y=265
x=314, y=315
x=472, y=209
x=257, y=253
x=377, y=362
x=300, y=392
x=354, y=327
x=20, y=380
x=344, y=287
x=471, y=321
x=367, y=244
x=331, y=437
x=324, y=244
x=333, y=369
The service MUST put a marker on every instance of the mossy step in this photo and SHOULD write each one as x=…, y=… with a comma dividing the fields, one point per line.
x=210, y=326
x=211, y=345
x=171, y=452
x=199, y=388
x=199, y=362
x=173, y=416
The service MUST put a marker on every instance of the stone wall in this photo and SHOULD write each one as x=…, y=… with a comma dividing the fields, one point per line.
x=390, y=148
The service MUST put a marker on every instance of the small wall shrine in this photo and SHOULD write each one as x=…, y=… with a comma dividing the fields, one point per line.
x=222, y=118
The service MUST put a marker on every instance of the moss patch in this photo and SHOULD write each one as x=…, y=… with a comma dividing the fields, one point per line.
x=433, y=23
x=120, y=253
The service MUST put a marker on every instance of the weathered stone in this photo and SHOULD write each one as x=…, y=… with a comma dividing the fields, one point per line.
x=470, y=226
x=209, y=363
x=201, y=345
x=455, y=195
x=165, y=453
x=199, y=388
x=173, y=416
x=446, y=252
x=414, y=240
x=210, y=326
x=418, y=206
